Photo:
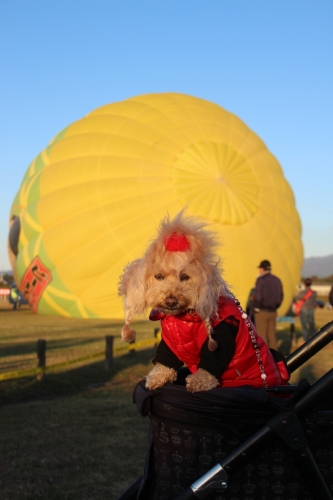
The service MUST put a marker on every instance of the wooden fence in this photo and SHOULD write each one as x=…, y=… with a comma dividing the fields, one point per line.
x=108, y=353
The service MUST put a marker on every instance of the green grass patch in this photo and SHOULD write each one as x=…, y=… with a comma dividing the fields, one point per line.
x=67, y=338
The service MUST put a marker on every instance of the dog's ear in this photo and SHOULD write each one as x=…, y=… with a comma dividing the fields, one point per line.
x=133, y=286
x=212, y=286
x=210, y=289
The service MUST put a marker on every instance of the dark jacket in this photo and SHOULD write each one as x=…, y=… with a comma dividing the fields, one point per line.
x=268, y=293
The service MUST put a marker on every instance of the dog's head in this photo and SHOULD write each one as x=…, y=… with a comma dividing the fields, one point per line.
x=178, y=272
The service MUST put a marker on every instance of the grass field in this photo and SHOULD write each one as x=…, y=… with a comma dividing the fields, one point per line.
x=76, y=434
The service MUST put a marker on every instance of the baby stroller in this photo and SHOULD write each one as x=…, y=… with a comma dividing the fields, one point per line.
x=240, y=443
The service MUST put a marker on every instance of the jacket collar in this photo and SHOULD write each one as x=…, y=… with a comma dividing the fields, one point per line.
x=189, y=316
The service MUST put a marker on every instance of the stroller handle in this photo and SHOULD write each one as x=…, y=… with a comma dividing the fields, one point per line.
x=323, y=337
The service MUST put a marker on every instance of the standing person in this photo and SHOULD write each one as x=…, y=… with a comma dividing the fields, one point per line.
x=14, y=296
x=330, y=297
x=268, y=295
x=307, y=311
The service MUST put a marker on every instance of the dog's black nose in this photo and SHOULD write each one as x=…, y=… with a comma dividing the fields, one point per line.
x=171, y=301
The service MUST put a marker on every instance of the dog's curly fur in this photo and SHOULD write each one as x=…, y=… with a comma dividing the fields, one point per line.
x=175, y=282
x=159, y=376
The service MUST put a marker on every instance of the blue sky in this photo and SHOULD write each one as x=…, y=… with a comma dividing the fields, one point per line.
x=268, y=61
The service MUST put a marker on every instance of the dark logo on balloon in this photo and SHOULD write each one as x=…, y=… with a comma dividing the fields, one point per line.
x=34, y=282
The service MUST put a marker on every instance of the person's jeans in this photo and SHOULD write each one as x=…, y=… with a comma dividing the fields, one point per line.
x=307, y=322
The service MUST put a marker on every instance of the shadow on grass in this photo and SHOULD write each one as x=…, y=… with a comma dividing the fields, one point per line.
x=127, y=370
x=285, y=340
x=285, y=346
x=307, y=372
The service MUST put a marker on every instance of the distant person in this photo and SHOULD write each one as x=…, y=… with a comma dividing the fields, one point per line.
x=14, y=296
x=268, y=296
x=308, y=308
x=330, y=297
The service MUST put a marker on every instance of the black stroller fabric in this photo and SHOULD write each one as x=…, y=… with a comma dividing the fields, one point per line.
x=190, y=433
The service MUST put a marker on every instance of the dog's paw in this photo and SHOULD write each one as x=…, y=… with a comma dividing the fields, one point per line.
x=159, y=376
x=201, y=381
x=127, y=334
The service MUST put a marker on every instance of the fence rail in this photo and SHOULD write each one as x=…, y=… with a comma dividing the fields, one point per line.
x=109, y=352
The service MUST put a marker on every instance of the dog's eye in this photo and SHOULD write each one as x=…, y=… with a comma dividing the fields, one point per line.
x=159, y=277
x=184, y=277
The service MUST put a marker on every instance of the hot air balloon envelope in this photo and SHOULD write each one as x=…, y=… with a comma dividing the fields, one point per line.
x=92, y=199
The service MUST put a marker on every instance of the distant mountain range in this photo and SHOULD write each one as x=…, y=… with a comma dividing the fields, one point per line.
x=318, y=266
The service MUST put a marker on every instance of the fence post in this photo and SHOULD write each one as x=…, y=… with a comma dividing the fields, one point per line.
x=41, y=355
x=109, y=352
x=156, y=332
x=132, y=352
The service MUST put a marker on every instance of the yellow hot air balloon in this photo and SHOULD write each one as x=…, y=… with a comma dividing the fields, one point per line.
x=91, y=200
